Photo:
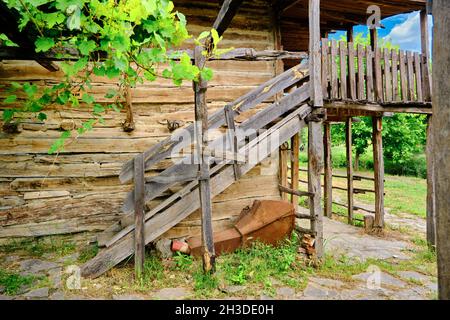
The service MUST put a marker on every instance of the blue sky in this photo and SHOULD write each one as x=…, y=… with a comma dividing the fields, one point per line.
x=402, y=30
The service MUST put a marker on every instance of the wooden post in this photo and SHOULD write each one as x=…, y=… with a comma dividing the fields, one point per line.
x=431, y=200
x=201, y=125
x=378, y=167
x=315, y=70
x=350, y=34
x=231, y=131
x=315, y=165
x=295, y=146
x=374, y=38
x=284, y=152
x=315, y=139
x=349, y=155
x=441, y=141
x=426, y=83
x=139, y=230
x=328, y=186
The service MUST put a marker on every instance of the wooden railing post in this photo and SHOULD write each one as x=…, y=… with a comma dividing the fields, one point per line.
x=349, y=155
x=295, y=149
x=139, y=202
x=201, y=123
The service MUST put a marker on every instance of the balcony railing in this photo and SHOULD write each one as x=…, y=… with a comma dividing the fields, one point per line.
x=359, y=73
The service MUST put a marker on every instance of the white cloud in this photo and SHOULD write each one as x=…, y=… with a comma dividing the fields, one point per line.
x=407, y=34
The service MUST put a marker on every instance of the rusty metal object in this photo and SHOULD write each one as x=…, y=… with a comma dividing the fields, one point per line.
x=267, y=221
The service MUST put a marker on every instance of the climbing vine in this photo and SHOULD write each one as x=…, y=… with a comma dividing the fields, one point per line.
x=132, y=41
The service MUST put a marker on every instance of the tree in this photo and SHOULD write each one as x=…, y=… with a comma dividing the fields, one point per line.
x=127, y=40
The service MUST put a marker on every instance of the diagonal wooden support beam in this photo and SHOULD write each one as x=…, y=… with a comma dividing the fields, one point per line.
x=226, y=15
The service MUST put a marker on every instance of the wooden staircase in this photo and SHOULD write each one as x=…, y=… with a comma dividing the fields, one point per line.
x=281, y=121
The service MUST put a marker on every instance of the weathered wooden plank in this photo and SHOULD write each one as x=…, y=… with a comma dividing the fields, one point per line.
x=109, y=257
x=387, y=75
x=334, y=71
x=361, y=73
x=395, y=80
x=343, y=69
x=328, y=191
x=418, y=74
x=349, y=157
x=325, y=67
x=403, y=76
x=424, y=38
x=378, y=165
x=314, y=52
x=139, y=233
x=378, y=76
x=351, y=71
x=369, y=79
x=411, y=82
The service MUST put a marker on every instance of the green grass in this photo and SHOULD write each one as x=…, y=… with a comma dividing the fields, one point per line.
x=36, y=247
x=12, y=281
x=88, y=252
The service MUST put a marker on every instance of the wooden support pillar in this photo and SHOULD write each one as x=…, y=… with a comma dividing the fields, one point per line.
x=426, y=81
x=231, y=131
x=349, y=155
x=315, y=138
x=139, y=202
x=315, y=60
x=441, y=141
x=315, y=166
x=374, y=38
x=328, y=186
x=284, y=155
x=201, y=126
x=295, y=149
x=350, y=34
x=431, y=200
x=378, y=167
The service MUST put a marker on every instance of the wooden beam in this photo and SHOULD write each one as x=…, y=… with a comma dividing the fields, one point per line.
x=315, y=166
x=431, y=196
x=328, y=185
x=139, y=230
x=238, y=54
x=378, y=167
x=201, y=125
x=295, y=149
x=232, y=139
x=425, y=37
x=441, y=141
x=374, y=38
x=226, y=14
x=413, y=107
x=315, y=61
x=349, y=156
x=297, y=193
x=284, y=152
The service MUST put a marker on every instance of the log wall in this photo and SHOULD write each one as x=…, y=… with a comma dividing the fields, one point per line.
x=79, y=190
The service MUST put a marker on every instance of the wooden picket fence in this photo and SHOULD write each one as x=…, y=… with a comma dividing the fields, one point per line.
x=380, y=75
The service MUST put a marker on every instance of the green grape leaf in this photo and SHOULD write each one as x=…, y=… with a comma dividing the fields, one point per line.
x=10, y=99
x=87, y=46
x=44, y=44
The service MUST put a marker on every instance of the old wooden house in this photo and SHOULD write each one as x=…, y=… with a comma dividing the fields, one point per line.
x=283, y=74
